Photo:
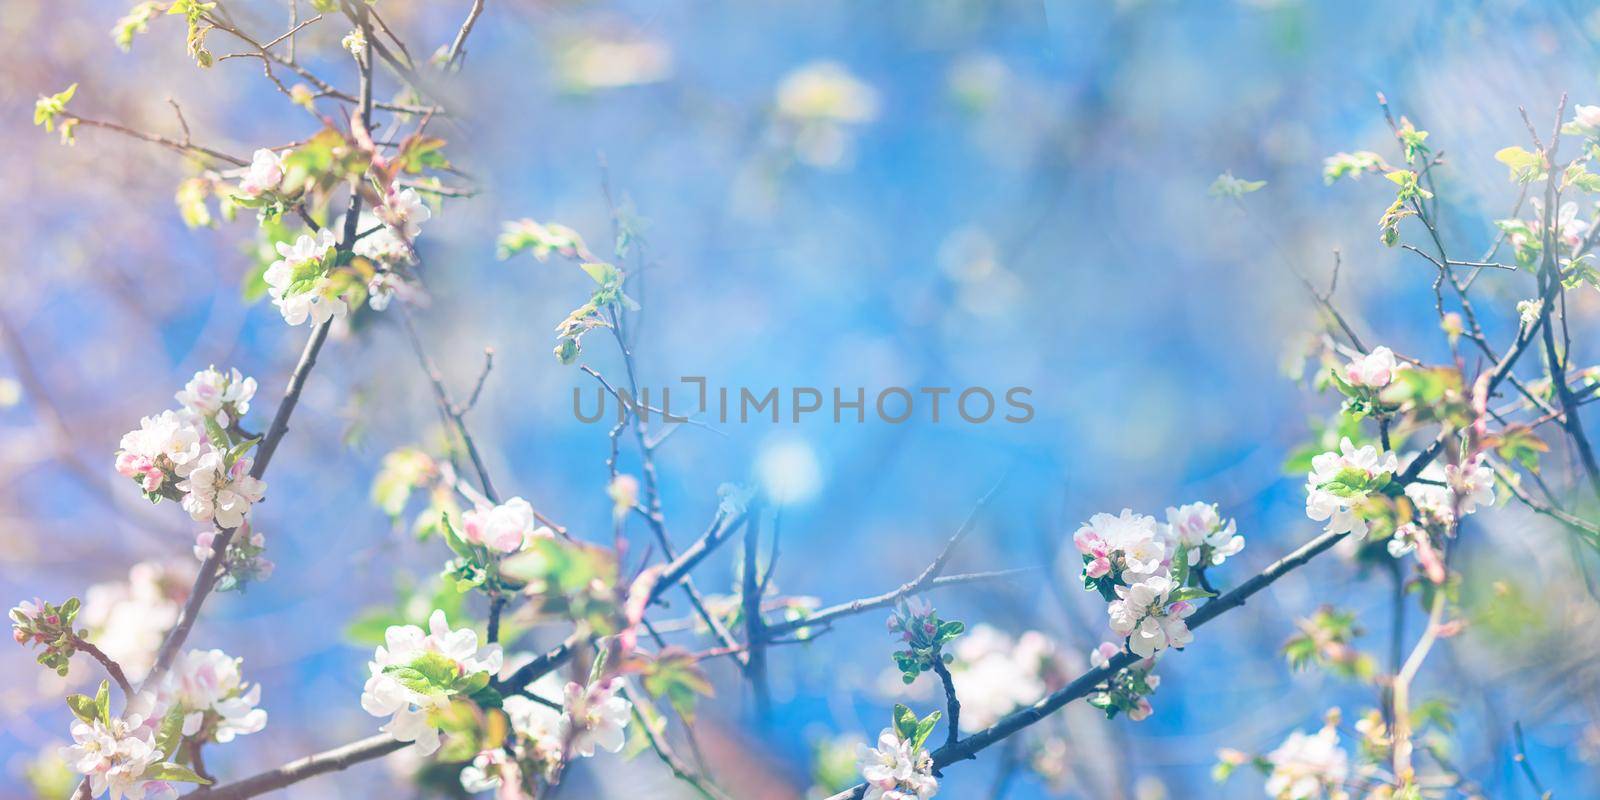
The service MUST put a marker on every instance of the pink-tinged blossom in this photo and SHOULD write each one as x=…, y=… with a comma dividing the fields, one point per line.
x=1465, y=488
x=1200, y=528
x=895, y=771
x=1141, y=710
x=405, y=212
x=1142, y=614
x=208, y=688
x=166, y=446
x=1374, y=370
x=217, y=492
x=995, y=674
x=224, y=396
x=263, y=175
x=1132, y=543
x=1102, y=654
x=1587, y=116
x=504, y=528
x=1569, y=229
x=114, y=756
x=385, y=695
x=1307, y=767
x=127, y=619
x=594, y=716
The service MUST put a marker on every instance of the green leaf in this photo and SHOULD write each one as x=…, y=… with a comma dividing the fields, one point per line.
x=429, y=673
x=1526, y=166
x=905, y=721
x=173, y=772
x=83, y=707
x=1188, y=593
x=170, y=734
x=102, y=702
x=471, y=684
x=949, y=630
x=924, y=728
x=1227, y=186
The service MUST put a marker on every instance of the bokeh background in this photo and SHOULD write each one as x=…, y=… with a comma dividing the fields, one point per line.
x=1016, y=198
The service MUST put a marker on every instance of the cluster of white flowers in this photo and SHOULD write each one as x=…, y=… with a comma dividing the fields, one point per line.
x=203, y=695
x=1130, y=559
x=1569, y=229
x=1146, y=613
x=217, y=490
x=1374, y=370
x=594, y=716
x=1308, y=767
x=570, y=721
x=505, y=528
x=1444, y=490
x=299, y=281
x=1130, y=545
x=404, y=645
x=404, y=212
x=1442, y=493
x=894, y=770
x=995, y=674
x=115, y=755
x=207, y=688
x=180, y=453
x=1341, y=479
x=127, y=619
x=1207, y=538
x=263, y=175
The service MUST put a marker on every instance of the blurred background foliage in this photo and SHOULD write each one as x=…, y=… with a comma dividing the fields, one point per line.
x=930, y=193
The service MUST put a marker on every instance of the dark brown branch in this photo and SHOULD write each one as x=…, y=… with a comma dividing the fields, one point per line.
x=171, y=144
x=458, y=47
x=865, y=604
x=755, y=634
x=952, y=705
x=112, y=667
x=311, y=766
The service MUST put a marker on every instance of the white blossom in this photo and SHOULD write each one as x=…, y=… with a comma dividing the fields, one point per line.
x=207, y=687
x=385, y=695
x=114, y=756
x=1142, y=614
x=1528, y=310
x=298, y=263
x=1305, y=767
x=263, y=175
x=505, y=528
x=211, y=393
x=994, y=674
x=217, y=492
x=165, y=446
x=1200, y=528
x=594, y=716
x=1443, y=490
x=894, y=771
x=1374, y=370
x=404, y=212
x=1340, y=479
x=127, y=619
x=355, y=41
x=1131, y=545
